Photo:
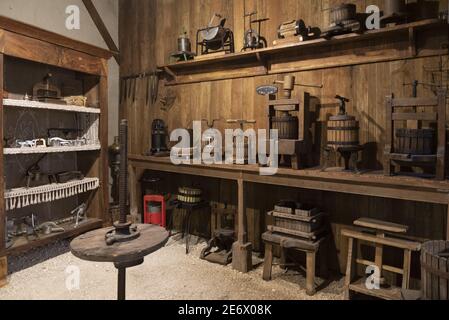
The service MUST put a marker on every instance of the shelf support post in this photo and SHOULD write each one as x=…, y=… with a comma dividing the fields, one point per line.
x=242, y=249
x=2, y=182
x=3, y=260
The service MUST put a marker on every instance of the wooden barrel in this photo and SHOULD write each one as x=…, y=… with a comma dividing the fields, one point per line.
x=189, y=195
x=342, y=131
x=435, y=270
x=287, y=127
x=415, y=141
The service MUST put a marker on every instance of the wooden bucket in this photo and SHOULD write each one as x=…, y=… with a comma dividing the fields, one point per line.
x=342, y=132
x=287, y=127
x=415, y=141
x=435, y=270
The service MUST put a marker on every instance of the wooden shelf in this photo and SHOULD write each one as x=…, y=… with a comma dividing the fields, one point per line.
x=262, y=61
x=22, y=245
x=18, y=151
x=374, y=184
x=48, y=106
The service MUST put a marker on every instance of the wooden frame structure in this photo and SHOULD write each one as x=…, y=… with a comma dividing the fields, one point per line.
x=392, y=158
x=379, y=241
x=295, y=149
x=28, y=43
x=369, y=184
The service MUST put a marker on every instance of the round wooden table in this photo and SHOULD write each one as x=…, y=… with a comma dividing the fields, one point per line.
x=92, y=247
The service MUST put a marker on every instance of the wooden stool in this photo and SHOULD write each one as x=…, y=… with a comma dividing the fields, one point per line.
x=379, y=240
x=287, y=242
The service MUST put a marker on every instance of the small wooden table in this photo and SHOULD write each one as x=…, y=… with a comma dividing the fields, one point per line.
x=92, y=247
x=289, y=242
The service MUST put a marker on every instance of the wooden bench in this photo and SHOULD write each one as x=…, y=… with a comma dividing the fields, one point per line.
x=378, y=236
x=287, y=242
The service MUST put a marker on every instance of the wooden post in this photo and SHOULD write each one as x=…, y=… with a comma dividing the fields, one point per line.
x=242, y=249
x=447, y=224
x=268, y=263
x=3, y=271
x=311, y=266
x=389, y=129
x=104, y=158
x=441, y=153
x=349, y=268
x=2, y=182
x=3, y=260
x=134, y=195
x=406, y=268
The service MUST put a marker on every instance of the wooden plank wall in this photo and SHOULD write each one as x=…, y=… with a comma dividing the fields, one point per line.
x=148, y=34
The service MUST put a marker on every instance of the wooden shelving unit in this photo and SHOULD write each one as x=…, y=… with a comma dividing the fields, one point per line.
x=383, y=46
x=24, y=48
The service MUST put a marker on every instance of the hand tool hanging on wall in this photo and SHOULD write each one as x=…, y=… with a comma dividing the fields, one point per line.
x=130, y=87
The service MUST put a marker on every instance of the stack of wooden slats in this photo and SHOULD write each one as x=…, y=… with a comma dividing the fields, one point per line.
x=297, y=220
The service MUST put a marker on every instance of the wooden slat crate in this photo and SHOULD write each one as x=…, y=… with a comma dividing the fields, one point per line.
x=297, y=223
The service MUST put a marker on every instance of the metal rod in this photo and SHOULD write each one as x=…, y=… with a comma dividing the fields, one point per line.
x=123, y=183
x=121, y=288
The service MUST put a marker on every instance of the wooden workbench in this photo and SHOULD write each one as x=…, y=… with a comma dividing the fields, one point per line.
x=373, y=184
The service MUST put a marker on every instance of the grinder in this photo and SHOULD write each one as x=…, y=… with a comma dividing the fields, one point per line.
x=158, y=137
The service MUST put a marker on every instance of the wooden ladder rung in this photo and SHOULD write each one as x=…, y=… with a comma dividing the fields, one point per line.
x=384, y=267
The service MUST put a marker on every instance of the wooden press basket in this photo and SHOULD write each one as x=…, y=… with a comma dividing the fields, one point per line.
x=287, y=127
x=435, y=270
x=415, y=141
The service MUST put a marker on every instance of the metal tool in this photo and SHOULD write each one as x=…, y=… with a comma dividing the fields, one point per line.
x=47, y=91
x=295, y=28
x=252, y=38
x=79, y=213
x=49, y=228
x=215, y=38
x=123, y=230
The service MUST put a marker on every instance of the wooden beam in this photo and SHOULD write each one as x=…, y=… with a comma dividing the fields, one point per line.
x=102, y=29
x=51, y=37
x=2, y=183
x=3, y=271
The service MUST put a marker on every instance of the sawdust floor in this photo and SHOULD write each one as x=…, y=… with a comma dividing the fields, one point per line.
x=167, y=274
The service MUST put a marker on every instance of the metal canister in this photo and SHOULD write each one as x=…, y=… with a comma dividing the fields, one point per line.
x=184, y=44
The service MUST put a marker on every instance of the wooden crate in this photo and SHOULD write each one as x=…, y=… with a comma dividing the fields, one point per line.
x=297, y=223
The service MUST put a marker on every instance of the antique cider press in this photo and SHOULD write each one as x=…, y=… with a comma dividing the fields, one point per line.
x=291, y=121
x=343, y=136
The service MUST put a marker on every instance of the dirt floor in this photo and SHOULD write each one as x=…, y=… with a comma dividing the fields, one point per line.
x=167, y=274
